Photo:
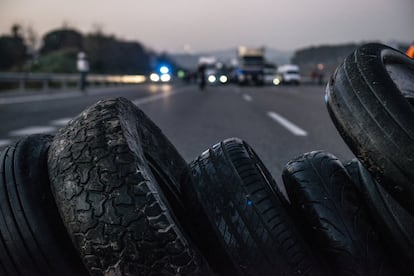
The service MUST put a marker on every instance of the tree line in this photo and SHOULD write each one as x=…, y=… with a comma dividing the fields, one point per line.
x=59, y=49
x=310, y=59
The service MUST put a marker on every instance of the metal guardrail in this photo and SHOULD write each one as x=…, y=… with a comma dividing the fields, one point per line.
x=45, y=79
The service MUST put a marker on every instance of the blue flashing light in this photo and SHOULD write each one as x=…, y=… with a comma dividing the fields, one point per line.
x=164, y=69
x=249, y=202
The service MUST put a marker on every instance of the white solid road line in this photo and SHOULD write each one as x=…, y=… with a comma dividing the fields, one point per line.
x=287, y=124
x=32, y=130
x=38, y=98
x=247, y=98
x=55, y=96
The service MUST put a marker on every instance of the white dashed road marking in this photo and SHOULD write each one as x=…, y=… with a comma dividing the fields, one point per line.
x=247, y=98
x=32, y=130
x=287, y=124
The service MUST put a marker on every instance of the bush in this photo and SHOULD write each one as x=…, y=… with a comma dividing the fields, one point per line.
x=62, y=61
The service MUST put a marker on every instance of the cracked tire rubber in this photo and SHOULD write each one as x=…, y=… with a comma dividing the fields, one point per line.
x=242, y=226
x=394, y=223
x=370, y=100
x=115, y=178
x=33, y=239
x=333, y=217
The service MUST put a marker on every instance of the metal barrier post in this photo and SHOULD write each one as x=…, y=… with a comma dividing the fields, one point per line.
x=21, y=84
x=45, y=85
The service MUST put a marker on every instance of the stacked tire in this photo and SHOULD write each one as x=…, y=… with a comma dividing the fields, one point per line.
x=236, y=204
x=370, y=100
x=359, y=214
x=110, y=195
x=33, y=238
x=131, y=208
x=116, y=181
x=333, y=216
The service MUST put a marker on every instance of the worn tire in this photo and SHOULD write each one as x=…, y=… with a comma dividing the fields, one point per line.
x=242, y=226
x=352, y=167
x=33, y=239
x=333, y=216
x=369, y=99
x=394, y=223
x=115, y=178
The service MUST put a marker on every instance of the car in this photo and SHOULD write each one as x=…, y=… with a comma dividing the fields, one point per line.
x=289, y=74
x=163, y=74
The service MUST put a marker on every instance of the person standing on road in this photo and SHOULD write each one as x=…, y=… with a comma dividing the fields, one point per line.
x=410, y=51
x=202, y=76
x=83, y=68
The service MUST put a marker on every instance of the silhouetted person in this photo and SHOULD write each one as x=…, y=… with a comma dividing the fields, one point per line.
x=320, y=78
x=202, y=76
x=83, y=68
x=314, y=76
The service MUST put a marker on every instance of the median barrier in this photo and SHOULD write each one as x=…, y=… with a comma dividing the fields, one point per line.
x=47, y=81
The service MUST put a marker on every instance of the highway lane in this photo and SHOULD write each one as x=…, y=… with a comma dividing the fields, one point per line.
x=194, y=121
x=43, y=111
x=278, y=122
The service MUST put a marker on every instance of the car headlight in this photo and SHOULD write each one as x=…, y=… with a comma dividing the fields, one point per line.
x=211, y=79
x=276, y=81
x=154, y=77
x=165, y=77
x=223, y=79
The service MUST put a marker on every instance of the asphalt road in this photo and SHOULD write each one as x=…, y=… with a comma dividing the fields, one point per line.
x=280, y=122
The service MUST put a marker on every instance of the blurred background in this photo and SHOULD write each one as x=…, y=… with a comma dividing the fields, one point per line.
x=129, y=37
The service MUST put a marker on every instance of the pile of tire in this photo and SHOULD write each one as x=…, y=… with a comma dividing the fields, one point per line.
x=110, y=195
x=370, y=99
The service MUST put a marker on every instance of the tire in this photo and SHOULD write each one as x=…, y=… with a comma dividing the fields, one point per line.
x=395, y=224
x=352, y=167
x=242, y=226
x=334, y=218
x=33, y=239
x=115, y=178
x=370, y=102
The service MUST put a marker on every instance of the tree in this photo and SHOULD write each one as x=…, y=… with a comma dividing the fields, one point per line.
x=62, y=39
x=12, y=50
x=32, y=39
x=108, y=55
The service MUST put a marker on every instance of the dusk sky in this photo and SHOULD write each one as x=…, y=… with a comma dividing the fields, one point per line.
x=201, y=25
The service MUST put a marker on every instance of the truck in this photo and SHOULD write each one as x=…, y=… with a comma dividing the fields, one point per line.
x=251, y=63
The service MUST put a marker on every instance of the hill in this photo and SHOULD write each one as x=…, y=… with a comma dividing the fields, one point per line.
x=329, y=57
